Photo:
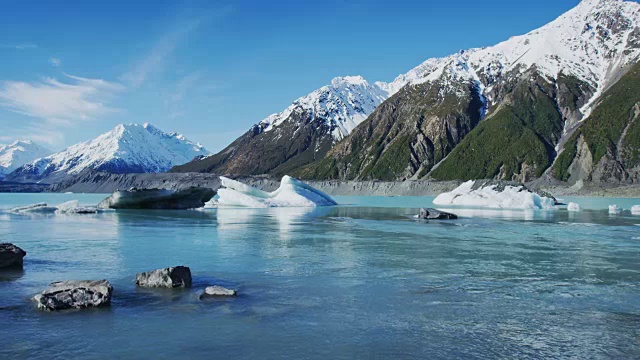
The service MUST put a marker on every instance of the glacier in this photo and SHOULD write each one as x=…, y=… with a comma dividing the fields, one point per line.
x=490, y=196
x=291, y=193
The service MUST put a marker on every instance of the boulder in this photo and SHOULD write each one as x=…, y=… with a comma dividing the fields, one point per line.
x=217, y=291
x=11, y=256
x=191, y=198
x=433, y=214
x=178, y=276
x=75, y=294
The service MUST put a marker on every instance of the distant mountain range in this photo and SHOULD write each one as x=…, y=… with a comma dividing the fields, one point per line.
x=560, y=103
x=129, y=148
x=19, y=153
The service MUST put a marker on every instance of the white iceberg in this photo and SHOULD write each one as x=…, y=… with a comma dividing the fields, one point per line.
x=573, y=207
x=291, y=193
x=73, y=207
x=40, y=208
x=614, y=209
x=635, y=210
x=494, y=195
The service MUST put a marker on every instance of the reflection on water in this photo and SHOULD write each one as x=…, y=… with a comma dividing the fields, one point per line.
x=370, y=281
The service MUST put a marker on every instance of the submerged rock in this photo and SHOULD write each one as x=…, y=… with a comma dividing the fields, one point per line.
x=75, y=294
x=191, y=198
x=217, y=291
x=433, y=214
x=11, y=256
x=178, y=276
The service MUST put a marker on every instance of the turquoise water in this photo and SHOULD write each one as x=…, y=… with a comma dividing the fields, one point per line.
x=362, y=280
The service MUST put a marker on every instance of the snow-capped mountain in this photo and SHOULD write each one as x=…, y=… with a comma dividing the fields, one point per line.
x=343, y=105
x=19, y=153
x=540, y=87
x=131, y=148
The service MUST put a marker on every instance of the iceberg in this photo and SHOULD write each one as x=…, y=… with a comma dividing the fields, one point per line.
x=496, y=195
x=291, y=193
x=573, y=207
x=635, y=210
x=615, y=209
x=40, y=208
x=73, y=207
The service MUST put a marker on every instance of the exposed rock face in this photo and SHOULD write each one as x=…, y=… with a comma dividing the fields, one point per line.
x=11, y=256
x=75, y=294
x=217, y=291
x=433, y=214
x=191, y=198
x=178, y=276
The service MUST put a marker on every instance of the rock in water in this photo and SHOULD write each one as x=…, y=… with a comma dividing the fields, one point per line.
x=217, y=291
x=191, y=198
x=433, y=214
x=75, y=294
x=11, y=256
x=178, y=276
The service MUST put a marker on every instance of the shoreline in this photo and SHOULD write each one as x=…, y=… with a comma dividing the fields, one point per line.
x=105, y=183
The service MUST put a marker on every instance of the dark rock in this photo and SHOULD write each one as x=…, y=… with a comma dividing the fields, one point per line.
x=433, y=214
x=217, y=291
x=11, y=256
x=75, y=294
x=191, y=198
x=178, y=276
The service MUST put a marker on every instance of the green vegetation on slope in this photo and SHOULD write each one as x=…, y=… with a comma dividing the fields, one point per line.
x=522, y=132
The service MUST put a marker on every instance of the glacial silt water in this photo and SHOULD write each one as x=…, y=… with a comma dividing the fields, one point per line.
x=361, y=280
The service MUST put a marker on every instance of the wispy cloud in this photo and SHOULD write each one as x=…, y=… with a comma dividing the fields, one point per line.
x=18, y=46
x=164, y=48
x=54, y=61
x=56, y=102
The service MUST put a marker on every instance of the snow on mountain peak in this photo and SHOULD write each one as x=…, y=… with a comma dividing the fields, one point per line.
x=126, y=148
x=19, y=153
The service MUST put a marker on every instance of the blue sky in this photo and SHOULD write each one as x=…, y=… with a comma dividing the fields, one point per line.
x=74, y=69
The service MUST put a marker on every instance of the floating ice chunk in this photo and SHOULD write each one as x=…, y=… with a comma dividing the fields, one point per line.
x=291, y=193
x=73, y=207
x=41, y=208
x=614, y=209
x=495, y=195
x=635, y=210
x=573, y=207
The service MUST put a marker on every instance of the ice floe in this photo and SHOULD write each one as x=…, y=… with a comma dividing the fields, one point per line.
x=635, y=210
x=615, y=209
x=291, y=193
x=573, y=207
x=495, y=195
x=69, y=207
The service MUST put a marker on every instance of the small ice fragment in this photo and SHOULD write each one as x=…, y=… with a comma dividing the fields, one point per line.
x=573, y=207
x=614, y=209
x=635, y=210
x=41, y=208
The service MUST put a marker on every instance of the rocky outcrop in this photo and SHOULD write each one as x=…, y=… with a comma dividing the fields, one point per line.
x=433, y=214
x=75, y=294
x=11, y=256
x=217, y=291
x=172, y=277
x=191, y=198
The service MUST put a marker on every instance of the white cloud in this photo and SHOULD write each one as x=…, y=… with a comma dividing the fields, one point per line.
x=154, y=60
x=61, y=103
x=55, y=61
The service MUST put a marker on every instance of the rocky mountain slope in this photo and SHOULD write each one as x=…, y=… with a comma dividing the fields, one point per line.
x=532, y=92
x=129, y=148
x=19, y=153
x=504, y=112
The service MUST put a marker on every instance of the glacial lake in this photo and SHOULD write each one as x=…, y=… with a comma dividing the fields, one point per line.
x=360, y=280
